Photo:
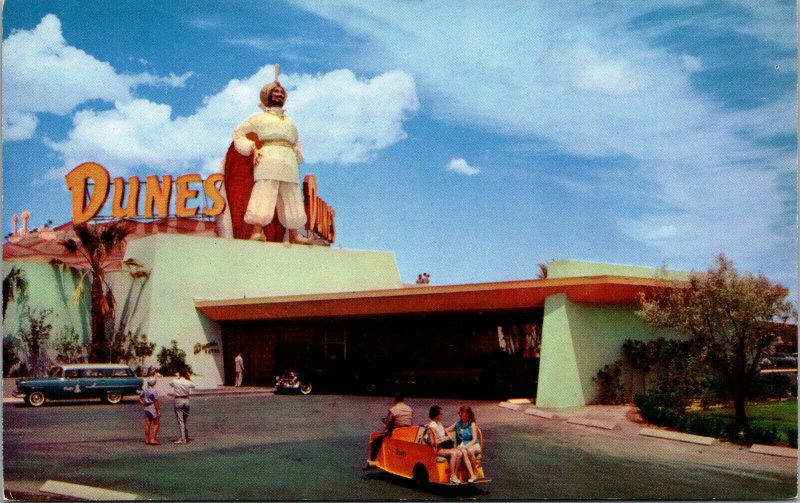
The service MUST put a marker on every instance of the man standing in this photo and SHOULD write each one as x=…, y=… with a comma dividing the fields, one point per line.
x=182, y=386
x=239, y=369
x=271, y=138
x=399, y=415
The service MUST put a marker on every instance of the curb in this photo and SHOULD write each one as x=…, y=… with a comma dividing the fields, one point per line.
x=773, y=450
x=680, y=437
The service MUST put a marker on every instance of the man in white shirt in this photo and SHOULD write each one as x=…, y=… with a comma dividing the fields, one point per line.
x=239, y=369
x=182, y=387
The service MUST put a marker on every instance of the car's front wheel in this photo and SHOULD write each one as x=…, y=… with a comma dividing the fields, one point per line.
x=113, y=397
x=35, y=399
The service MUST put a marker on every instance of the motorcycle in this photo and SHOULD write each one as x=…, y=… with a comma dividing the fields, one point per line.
x=291, y=382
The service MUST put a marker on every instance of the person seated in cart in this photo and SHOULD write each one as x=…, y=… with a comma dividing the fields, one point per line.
x=445, y=446
x=466, y=438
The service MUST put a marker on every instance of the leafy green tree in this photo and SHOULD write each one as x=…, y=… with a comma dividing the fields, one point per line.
x=96, y=244
x=36, y=340
x=172, y=360
x=14, y=283
x=142, y=349
x=731, y=319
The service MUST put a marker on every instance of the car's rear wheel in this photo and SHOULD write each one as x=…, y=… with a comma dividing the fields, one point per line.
x=421, y=478
x=113, y=397
x=35, y=399
x=305, y=388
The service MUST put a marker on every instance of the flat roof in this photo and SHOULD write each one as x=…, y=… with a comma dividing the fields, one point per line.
x=498, y=296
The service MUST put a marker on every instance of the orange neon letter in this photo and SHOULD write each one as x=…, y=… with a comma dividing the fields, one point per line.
x=184, y=194
x=212, y=191
x=132, y=208
x=77, y=183
x=157, y=196
x=310, y=197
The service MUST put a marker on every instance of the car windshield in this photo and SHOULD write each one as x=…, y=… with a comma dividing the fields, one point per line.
x=56, y=372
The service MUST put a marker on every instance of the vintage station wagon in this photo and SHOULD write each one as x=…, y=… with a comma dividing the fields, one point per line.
x=108, y=382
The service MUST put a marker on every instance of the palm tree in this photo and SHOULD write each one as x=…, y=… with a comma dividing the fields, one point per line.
x=95, y=244
x=14, y=283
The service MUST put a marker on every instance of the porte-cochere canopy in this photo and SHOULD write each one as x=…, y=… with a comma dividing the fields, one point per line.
x=497, y=296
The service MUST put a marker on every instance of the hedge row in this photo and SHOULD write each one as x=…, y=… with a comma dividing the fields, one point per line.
x=655, y=409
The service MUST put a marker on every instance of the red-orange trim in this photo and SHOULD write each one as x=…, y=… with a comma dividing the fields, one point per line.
x=510, y=295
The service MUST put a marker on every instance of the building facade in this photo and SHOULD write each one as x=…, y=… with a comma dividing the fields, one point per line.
x=285, y=307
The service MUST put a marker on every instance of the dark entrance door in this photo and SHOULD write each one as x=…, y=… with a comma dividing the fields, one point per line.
x=256, y=342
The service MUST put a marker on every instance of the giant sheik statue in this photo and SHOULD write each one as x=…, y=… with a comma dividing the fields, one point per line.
x=262, y=175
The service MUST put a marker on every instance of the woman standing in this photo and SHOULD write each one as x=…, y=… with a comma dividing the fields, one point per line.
x=152, y=412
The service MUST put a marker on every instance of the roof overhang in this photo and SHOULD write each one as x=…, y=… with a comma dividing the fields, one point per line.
x=479, y=297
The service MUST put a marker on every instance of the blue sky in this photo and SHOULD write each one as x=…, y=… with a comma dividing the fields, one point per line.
x=472, y=139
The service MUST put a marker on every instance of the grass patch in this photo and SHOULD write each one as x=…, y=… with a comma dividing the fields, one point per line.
x=782, y=414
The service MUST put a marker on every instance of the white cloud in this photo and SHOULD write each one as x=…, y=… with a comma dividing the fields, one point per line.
x=461, y=166
x=18, y=125
x=595, y=80
x=142, y=133
x=42, y=73
x=343, y=119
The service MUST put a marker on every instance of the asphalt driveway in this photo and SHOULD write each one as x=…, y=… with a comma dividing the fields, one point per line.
x=271, y=447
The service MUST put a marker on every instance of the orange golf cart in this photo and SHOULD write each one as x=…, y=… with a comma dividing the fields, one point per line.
x=410, y=452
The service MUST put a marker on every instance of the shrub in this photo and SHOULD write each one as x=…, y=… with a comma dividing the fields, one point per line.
x=705, y=426
x=755, y=434
x=774, y=386
x=69, y=348
x=609, y=385
x=792, y=434
x=36, y=340
x=10, y=356
x=172, y=360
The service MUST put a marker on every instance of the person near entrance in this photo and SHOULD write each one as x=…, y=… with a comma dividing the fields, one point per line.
x=183, y=386
x=399, y=414
x=239, y=360
x=271, y=138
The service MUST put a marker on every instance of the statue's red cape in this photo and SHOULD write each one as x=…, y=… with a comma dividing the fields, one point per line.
x=238, y=184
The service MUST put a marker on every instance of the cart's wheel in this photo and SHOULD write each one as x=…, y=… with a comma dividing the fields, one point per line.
x=113, y=397
x=35, y=399
x=305, y=388
x=421, y=476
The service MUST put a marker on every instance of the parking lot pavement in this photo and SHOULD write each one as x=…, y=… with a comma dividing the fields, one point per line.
x=273, y=447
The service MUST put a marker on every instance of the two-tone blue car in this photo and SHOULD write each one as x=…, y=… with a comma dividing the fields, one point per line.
x=108, y=382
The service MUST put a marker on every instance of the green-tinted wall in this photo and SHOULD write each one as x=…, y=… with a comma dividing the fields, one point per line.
x=188, y=268
x=579, y=339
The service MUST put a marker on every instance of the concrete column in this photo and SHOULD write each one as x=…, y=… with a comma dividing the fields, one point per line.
x=559, y=374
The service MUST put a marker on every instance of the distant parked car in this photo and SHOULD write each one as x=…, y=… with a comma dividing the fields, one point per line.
x=108, y=382
x=783, y=360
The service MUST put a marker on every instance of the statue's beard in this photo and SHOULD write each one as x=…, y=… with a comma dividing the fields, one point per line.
x=275, y=103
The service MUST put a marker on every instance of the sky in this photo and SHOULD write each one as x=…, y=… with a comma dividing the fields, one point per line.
x=472, y=139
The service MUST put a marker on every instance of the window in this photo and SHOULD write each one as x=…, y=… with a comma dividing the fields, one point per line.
x=71, y=374
x=93, y=373
x=119, y=373
x=56, y=372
